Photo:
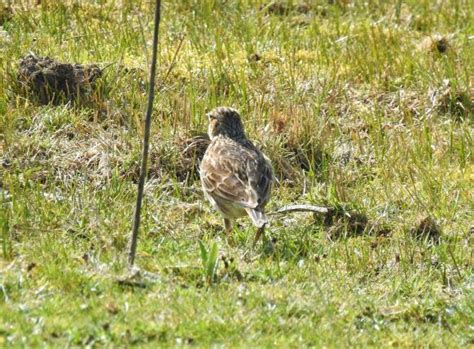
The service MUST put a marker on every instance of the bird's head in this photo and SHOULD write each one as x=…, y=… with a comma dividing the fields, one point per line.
x=225, y=121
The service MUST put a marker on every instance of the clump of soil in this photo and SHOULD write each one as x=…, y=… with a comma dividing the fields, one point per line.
x=48, y=81
x=277, y=8
x=457, y=103
x=427, y=229
x=436, y=43
x=265, y=59
x=344, y=223
x=453, y=101
x=281, y=8
x=254, y=57
x=191, y=152
x=441, y=45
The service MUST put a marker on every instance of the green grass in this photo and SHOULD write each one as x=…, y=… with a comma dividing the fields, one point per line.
x=356, y=107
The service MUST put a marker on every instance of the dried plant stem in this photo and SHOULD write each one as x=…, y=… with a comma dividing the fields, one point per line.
x=146, y=138
x=301, y=208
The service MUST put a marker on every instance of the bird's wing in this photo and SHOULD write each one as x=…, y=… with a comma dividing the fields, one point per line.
x=260, y=175
x=234, y=173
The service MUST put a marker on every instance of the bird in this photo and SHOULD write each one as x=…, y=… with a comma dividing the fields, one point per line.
x=236, y=177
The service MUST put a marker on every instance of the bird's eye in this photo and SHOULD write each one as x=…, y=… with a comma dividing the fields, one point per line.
x=210, y=116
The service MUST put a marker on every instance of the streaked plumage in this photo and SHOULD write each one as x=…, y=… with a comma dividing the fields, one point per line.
x=236, y=177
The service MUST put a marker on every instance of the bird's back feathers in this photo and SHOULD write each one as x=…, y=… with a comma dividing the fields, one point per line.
x=237, y=173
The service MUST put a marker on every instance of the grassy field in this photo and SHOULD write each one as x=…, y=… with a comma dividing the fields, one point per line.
x=364, y=107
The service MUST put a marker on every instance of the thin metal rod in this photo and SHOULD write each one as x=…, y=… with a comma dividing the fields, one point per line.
x=146, y=139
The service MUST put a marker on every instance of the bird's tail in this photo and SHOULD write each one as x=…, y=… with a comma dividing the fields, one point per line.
x=259, y=219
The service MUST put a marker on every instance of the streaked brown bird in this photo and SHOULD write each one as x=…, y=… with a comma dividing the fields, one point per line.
x=236, y=177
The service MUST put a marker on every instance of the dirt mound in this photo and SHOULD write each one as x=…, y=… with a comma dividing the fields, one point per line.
x=281, y=8
x=426, y=228
x=48, y=81
x=342, y=223
x=179, y=159
x=191, y=153
x=436, y=43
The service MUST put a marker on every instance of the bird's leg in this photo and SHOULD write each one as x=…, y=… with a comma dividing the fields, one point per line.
x=228, y=226
x=260, y=232
x=228, y=223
